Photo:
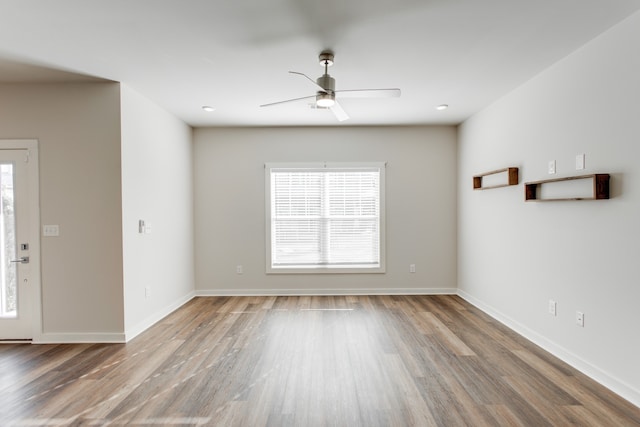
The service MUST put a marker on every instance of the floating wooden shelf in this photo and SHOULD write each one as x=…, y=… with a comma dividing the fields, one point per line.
x=512, y=179
x=600, y=188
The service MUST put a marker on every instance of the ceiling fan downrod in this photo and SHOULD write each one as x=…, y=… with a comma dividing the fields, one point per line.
x=325, y=81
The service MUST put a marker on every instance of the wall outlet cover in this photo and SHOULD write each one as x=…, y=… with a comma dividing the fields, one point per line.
x=553, y=307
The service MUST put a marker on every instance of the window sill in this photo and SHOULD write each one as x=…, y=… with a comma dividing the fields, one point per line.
x=326, y=270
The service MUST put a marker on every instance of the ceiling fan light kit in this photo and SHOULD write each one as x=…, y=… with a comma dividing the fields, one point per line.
x=325, y=100
x=326, y=92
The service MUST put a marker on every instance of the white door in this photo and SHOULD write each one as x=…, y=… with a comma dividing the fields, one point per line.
x=18, y=297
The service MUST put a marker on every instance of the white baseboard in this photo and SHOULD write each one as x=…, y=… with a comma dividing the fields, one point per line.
x=79, y=338
x=111, y=338
x=324, y=292
x=133, y=332
x=612, y=383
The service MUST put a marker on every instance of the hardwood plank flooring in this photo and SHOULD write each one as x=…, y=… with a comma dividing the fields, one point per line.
x=307, y=361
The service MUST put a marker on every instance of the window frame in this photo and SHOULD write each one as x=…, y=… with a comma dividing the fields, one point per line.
x=326, y=269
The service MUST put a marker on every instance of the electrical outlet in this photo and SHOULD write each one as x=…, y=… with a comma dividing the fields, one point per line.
x=412, y=268
x=147, y=291
x=553, y=307
x=580, y=319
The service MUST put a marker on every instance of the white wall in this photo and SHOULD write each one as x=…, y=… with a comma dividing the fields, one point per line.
x=157, y=186
x=230, y=206
x=78, y=129
x=515, y=256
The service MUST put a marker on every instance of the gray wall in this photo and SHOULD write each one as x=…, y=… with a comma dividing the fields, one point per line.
x=157, y=187
x=420, y=209
x=78, y=129
x=515, y=256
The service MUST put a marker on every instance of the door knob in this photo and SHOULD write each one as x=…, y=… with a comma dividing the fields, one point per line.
x=23, y=260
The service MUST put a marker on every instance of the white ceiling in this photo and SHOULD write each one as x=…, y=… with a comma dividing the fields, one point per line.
x=235, y=55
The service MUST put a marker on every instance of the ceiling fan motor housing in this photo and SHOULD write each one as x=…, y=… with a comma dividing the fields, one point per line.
x=327, y=82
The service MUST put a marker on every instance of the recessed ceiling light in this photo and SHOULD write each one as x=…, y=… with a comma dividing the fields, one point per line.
x=208, y=109
x=442, y=107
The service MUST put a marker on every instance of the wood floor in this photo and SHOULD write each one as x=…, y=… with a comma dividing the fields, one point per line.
x=307, y=361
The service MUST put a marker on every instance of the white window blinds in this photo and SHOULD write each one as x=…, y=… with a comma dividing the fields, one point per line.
x=325, y=217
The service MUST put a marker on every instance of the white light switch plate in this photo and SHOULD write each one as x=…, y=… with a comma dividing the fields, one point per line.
x=579, y=162
x=551, y=168
x=580, y=319
x=50, y=230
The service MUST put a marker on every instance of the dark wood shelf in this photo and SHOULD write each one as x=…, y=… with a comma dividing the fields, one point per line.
x=512, y=179
x=600, y=188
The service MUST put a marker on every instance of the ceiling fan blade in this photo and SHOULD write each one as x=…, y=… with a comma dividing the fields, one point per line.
x=289, y=100
x=368, y=93
x=310, y=79
x=340, y=114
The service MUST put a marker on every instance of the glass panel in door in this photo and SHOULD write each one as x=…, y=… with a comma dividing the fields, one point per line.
x=8, y=276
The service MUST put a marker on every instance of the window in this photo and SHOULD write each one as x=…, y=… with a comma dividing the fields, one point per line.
x=325, y=218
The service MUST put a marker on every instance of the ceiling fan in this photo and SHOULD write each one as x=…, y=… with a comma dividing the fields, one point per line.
x=326, y=94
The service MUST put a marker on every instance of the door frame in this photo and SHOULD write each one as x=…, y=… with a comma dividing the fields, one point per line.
x=33, y=202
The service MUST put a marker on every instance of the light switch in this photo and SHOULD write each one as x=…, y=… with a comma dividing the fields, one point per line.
x=580, y=162
x=551, y=166
x=580, y=319
x=50, y=230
